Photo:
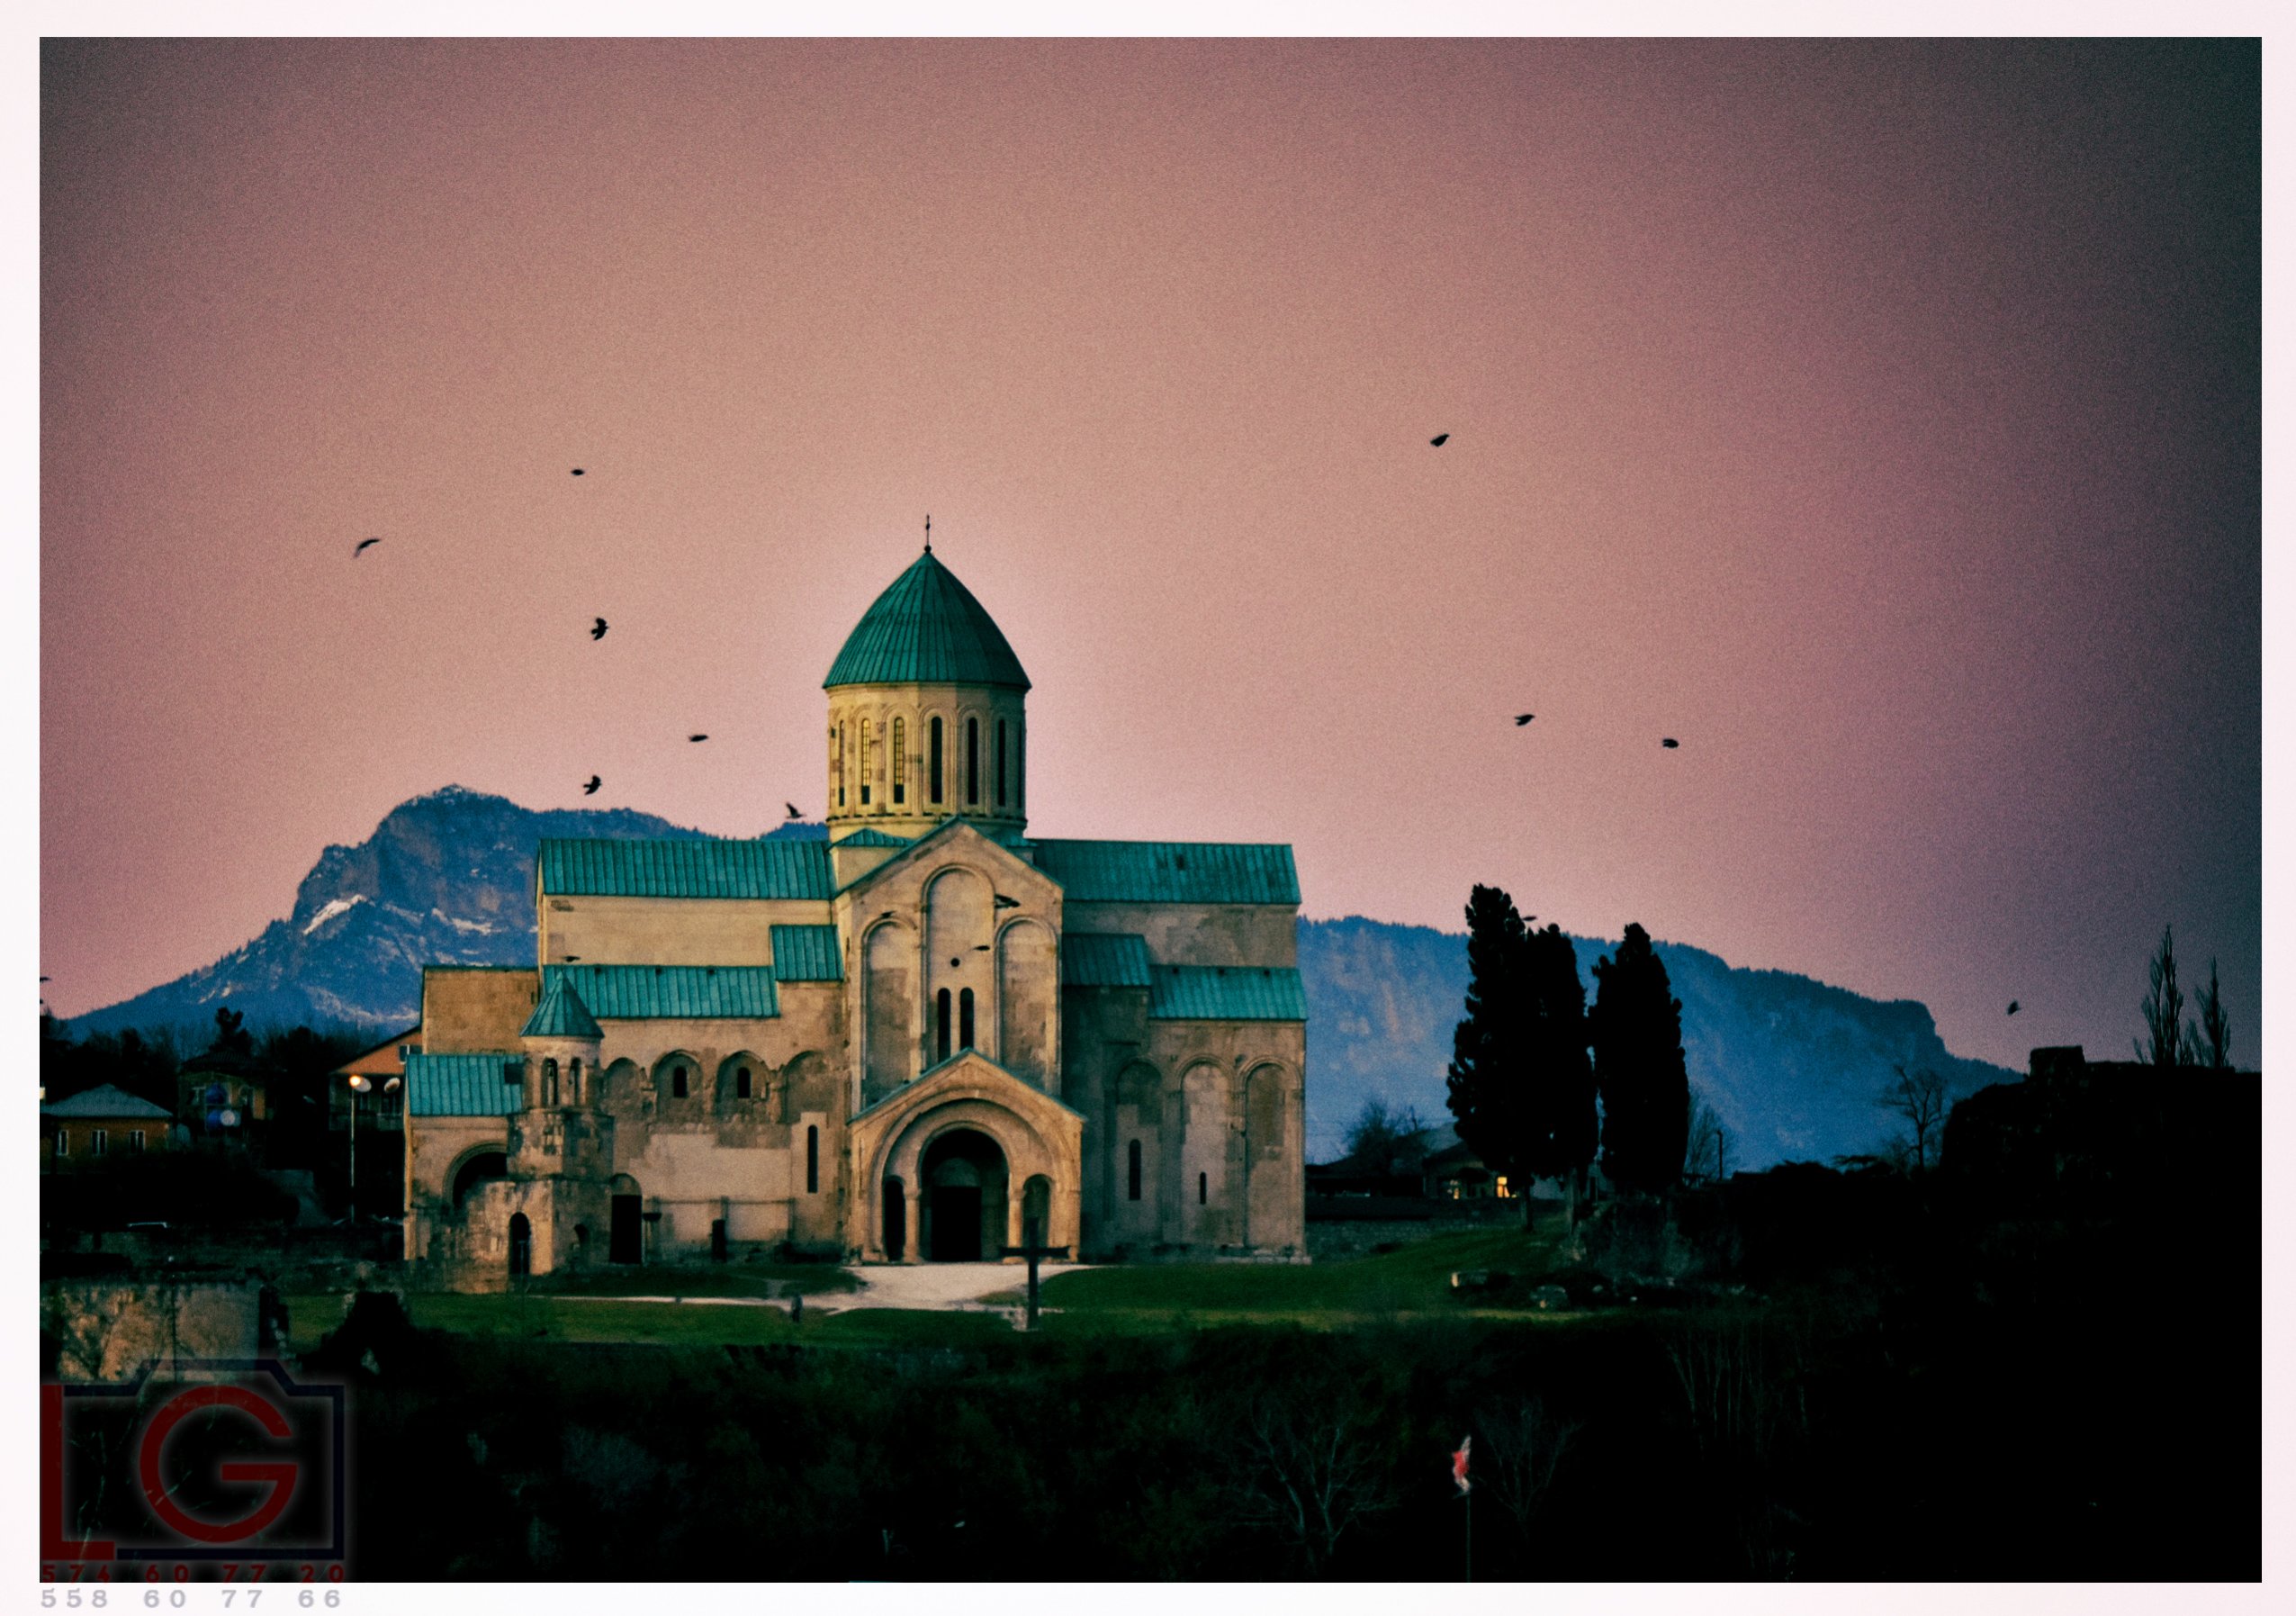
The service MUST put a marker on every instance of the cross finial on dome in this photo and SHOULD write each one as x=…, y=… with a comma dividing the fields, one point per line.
x=928, y=532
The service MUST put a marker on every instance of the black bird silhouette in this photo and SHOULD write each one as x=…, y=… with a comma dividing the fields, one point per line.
x=577, y=471
x=598, y=629
x=48, y=978
x=2013, y=1006
x=698, y=738
x=1669, y=742
x=1439, y=439
x=363, y=545
x=592, y=789
x=1523, y=718
x=792, y=807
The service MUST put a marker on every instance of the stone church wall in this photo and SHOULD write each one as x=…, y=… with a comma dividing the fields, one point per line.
x=668, y=931
x=1199, y=933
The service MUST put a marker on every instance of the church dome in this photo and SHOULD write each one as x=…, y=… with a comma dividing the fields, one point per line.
x=926, y=628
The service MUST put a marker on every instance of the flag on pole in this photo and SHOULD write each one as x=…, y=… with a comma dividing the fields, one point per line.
x=1459, y=1465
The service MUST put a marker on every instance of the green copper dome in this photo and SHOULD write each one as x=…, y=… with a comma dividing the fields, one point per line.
x=926, y=628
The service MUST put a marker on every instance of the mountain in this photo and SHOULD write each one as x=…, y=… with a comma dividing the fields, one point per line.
x=1791, y=1066
x=446, y=879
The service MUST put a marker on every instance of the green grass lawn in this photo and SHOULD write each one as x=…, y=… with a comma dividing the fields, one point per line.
x=1142, y=1298
x=538, y=1317
x=1415, y=1279
x=705, y=1280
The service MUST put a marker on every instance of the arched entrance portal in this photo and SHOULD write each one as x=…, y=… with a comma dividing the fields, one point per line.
x=963, y=1201
x=521, y=1245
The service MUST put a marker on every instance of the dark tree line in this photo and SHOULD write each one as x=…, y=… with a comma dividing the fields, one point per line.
x=1537, y=1079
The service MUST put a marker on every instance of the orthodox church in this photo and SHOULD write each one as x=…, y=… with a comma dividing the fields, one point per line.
x=929, y=1037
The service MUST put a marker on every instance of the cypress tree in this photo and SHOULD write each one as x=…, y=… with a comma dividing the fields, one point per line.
x=1636, y=1029
x=1564, y=1125
x=1520, y=1086
x=1486, y=1085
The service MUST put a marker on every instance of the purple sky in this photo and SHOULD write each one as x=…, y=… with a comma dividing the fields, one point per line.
x=1880, y=418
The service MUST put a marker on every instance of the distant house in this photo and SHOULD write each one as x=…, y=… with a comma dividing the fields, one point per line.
x=1457, y=1173
x=379, y=1104
x=223, y=1098
x=97, y=1122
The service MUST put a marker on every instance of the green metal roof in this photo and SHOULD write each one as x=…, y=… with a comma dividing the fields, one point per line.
x=708, y=867
x=926, y=628
x=561, y=1014
x=1225, y=993
x=106, y=1101
x=1117, y=959
x=807, y=954
x=673, y=992
x=870, y=837
x=1171, y=872
x=461, y=1085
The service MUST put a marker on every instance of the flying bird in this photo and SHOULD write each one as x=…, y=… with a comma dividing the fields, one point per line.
x=592, y=789
x=598, y=629
x=1439, y=439
x=1669, y=742
x=577, y=471
x=792, y=807
x=363, y=545
x=2013, y=1006
x=1523, y=718
x=698, y=738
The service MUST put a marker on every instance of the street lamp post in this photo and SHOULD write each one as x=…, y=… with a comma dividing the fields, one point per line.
x=358, y=1087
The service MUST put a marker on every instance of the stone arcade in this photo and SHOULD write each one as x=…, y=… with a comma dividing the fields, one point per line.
x=912, y=1041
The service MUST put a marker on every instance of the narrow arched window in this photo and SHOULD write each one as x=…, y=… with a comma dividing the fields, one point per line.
x=550, y=1082
x=865, y=762
x=900, y=760
x=1020, y=771
x=1133, y=1172
x=574, y=1083
x=676, y=1082
x=812, y=1160
x=1000, y=763
x=965, y=1019
x=934, y=776
x=742, y=1083
x=837, y=761
x=1204, y=1189
x=972, y=761
x=940, y=1026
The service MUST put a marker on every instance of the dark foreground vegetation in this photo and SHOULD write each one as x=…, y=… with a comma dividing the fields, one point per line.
x=1928, y=1377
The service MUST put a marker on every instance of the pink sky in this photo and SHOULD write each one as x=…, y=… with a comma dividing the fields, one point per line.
x=1880, y=418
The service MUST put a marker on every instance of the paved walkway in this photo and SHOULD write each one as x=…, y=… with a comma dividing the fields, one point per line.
x=938, y=1286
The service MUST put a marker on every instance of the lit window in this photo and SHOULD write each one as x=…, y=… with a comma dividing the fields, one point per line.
x=900, y=760
x=1498, y=1187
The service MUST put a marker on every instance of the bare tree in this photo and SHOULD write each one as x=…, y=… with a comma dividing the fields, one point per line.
x=2213, y=1040
x=1920, y=1098
x=1704, y=1153
x=1310, y=1474
x=1395, y=1138
x=2164, y=1011
x=1522, y=1446
x=1743, y=1390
